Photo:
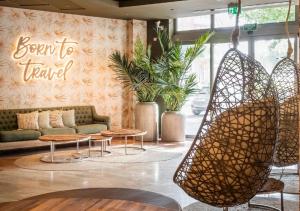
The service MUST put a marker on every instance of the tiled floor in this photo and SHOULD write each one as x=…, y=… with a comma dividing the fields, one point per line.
x=17, y=183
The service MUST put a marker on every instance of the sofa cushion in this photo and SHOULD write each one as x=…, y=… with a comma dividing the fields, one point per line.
x=56, y=131
x=90, y=129
x=69, y=118
x=28, y=121
x=19, y=135
x=56, y=120
x=44, y=119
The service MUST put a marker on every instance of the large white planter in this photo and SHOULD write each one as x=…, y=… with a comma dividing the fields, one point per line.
x=172, y=126
x=146, y=119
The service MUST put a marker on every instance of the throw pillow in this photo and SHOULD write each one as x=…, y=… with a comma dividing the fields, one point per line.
x=56, y=120
x=69, y=118
x=28, y=121
x=44, y=119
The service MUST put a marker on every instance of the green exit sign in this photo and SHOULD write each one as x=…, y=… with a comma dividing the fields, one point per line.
x=233, y=8
x=250, y=27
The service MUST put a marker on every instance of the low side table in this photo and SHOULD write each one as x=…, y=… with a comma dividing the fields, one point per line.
x=103, y=140
x=54, y=139
x=125, y=133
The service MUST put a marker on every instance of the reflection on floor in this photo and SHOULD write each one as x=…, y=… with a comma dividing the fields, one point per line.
x=17, y=183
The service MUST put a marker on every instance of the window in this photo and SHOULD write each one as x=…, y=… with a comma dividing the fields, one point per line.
x=267, y=14
x=272, y=14
x=221, y=48
x=195, y=106
x=270, y=51
x=193, y=23
x=225, y=20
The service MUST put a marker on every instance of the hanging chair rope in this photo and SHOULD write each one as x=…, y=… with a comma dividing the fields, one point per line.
x=290, y=48
x=236, y=31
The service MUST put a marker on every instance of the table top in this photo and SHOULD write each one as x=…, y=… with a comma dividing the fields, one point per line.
x=99, y=137
x=80, y=204
x=123, y=132
x=64, y=138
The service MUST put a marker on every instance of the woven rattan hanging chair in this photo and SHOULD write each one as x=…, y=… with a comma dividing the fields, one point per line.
x=285, y=76
x=231, y=157
x=286, y=79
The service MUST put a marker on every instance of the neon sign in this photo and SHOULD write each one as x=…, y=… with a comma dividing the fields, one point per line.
x=26, y=51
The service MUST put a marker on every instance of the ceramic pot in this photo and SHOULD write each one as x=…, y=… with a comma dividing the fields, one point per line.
x=146, y=119
x=172, y=126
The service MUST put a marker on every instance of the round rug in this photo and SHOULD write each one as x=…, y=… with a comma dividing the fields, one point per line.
x=270, y=201
x=117, y=155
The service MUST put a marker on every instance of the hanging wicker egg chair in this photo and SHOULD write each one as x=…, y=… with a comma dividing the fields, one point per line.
x=285, y=76
x=286, y=79
x=231, y=157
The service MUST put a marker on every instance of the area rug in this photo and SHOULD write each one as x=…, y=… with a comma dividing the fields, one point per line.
x=289, y=205
x=117, y=156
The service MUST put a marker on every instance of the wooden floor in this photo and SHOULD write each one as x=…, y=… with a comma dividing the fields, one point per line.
x=79, y=204
x=117, y=199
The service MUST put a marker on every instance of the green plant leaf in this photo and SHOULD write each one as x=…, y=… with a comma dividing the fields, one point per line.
x=177, y=83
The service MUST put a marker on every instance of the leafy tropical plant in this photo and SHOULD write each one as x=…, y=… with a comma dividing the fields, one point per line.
x=174, y=65
x=139, y=74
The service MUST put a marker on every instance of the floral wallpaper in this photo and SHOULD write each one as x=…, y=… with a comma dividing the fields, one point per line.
x=56, y=59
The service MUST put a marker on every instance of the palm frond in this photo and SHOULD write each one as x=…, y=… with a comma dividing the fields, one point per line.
x=178, y=83
x=140, y=74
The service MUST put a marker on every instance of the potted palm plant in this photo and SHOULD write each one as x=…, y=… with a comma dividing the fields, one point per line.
x=178, y=82
x=140, y=75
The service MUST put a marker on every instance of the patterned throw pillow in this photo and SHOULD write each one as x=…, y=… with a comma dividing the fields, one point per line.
x=44, y=119
x=28, y=121
x=56, y=120
x=69, y=118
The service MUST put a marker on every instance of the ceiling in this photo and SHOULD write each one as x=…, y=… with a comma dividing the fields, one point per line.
x=128, y=9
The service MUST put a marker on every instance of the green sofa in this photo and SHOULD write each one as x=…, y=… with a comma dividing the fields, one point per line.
x=87, y=122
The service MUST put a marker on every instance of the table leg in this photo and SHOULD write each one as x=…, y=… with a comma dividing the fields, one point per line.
x=89, y=147
x=125, y=145
x=52, y=151
x=77, y=147
x=142, y=142
x=102, y=146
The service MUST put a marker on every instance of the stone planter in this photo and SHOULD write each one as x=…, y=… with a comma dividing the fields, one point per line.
x=146, y=119
x=172, y=126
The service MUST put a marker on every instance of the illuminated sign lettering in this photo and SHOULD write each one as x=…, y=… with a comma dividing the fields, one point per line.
x=27, y=51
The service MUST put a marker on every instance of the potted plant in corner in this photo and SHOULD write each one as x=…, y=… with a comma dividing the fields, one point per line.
x=178, y=82
x=140, y=75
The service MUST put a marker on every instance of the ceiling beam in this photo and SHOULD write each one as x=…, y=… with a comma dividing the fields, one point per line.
x=132, y=3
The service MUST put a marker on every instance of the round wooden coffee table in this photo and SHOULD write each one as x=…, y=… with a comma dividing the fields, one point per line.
x=103, y=140
x=54, y=139
x=120, y=133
